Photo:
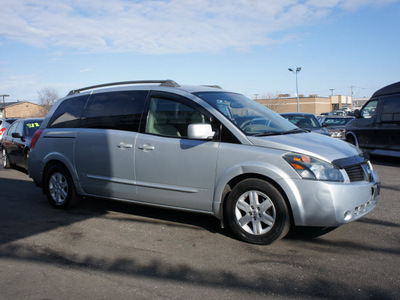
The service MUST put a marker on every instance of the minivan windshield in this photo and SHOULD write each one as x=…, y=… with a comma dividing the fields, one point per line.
x=249, y=116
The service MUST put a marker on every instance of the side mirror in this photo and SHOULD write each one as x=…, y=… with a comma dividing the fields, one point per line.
x=16, y=135
x=324, y=125
x=200, y=132
x=357, y=113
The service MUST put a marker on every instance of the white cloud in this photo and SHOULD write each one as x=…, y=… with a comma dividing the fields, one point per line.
x=86, y=70
x=159, y=27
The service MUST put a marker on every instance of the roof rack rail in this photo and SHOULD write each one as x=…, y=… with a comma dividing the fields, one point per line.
x=167, y=82
x=213, y=86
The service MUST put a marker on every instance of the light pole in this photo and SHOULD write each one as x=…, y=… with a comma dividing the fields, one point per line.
x=298, y=69
x=4, y=105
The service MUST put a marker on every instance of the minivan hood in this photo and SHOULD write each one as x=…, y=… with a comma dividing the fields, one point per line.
x=313, y=144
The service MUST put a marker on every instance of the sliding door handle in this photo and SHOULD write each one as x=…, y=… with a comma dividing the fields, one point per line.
x=146, y=147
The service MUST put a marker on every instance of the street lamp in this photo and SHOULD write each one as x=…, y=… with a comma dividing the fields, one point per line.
x=298, y=69
x=4, y=105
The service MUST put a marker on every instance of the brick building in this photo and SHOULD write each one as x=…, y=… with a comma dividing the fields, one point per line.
x=22, y=109
x=311, y=104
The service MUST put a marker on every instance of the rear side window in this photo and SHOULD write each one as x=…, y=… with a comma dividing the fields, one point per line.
x=68, y=113
x=115, y=110
x=391, y=109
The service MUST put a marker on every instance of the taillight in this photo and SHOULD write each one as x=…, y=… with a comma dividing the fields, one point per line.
x=35, y=137
x=2, y=131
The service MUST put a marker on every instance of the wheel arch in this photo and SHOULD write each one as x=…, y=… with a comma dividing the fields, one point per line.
x=241, y=177
x=55, y=159
x=350, y=135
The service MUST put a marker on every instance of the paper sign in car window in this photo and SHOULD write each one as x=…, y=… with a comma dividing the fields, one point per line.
x=33, y=125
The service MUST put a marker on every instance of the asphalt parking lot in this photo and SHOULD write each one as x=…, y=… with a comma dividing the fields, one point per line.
x=110, y=250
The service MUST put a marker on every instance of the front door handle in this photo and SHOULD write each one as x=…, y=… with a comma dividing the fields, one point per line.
x=146, y=147
x=123, y=145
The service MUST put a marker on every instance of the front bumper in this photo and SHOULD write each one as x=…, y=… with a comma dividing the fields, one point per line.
x=328, y=204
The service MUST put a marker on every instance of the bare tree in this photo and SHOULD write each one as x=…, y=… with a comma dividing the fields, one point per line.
x=47, y=96
x=273, y=101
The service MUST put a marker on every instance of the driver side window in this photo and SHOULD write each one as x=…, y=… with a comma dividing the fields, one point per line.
x=369, y=110
x=171, y=118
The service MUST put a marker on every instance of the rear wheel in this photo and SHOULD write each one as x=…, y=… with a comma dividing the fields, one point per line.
x=59, y=187
x=256, y=212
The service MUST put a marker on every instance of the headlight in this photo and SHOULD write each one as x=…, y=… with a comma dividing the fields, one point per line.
x=339, y=134
x=309, y=167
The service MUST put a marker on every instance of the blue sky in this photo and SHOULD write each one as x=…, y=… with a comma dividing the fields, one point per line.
x=245, y=46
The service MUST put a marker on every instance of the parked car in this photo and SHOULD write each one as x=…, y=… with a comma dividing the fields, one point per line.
x=376, y=127
x=306, y=121
x=5, y=124
x=200, y=149
x=16, y=141
x=336, y=125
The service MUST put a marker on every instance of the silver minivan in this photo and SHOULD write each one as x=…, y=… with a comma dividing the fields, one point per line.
x=200, y=149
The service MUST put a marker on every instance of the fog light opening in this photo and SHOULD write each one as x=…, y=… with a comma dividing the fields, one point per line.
x=348, y=215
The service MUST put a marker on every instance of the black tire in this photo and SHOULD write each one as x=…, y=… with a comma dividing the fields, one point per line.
x=6, y=160
x=257, y=213
x=59, y=187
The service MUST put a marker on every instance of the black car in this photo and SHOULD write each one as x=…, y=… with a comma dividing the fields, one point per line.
x=16, y=141
x=376, y=128
x=336, y=125
x=306, y=121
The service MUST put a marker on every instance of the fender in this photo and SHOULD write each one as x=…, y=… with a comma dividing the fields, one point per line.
x=274, y=174
x=61, y=158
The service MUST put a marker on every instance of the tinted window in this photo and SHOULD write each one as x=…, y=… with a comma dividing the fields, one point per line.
x=115, y=110
x=31, y=127
x=303, y=121
x=391, y=109
x=68, y=113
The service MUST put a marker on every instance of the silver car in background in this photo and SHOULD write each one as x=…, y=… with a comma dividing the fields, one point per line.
x=5, y=124
x=200, y=149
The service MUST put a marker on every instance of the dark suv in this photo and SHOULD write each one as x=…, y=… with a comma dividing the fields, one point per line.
x=376, y=127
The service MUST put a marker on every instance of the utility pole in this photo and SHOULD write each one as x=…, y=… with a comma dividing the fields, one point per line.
x=298, y=69
x=4, y=105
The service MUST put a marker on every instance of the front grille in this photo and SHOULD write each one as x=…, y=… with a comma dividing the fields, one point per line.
x=356, y=172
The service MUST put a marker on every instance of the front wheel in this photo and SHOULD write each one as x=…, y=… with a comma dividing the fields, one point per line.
x=59, y=187
x=6, y=161
x=257, y=213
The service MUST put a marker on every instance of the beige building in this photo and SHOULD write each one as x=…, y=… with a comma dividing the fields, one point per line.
x=311, y=104
x=22, y=109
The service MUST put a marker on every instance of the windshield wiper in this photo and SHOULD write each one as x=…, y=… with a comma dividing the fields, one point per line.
x=269, y=133
x=296, y=130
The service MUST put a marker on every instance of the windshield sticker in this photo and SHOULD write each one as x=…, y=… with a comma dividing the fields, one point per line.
x=33, y=125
